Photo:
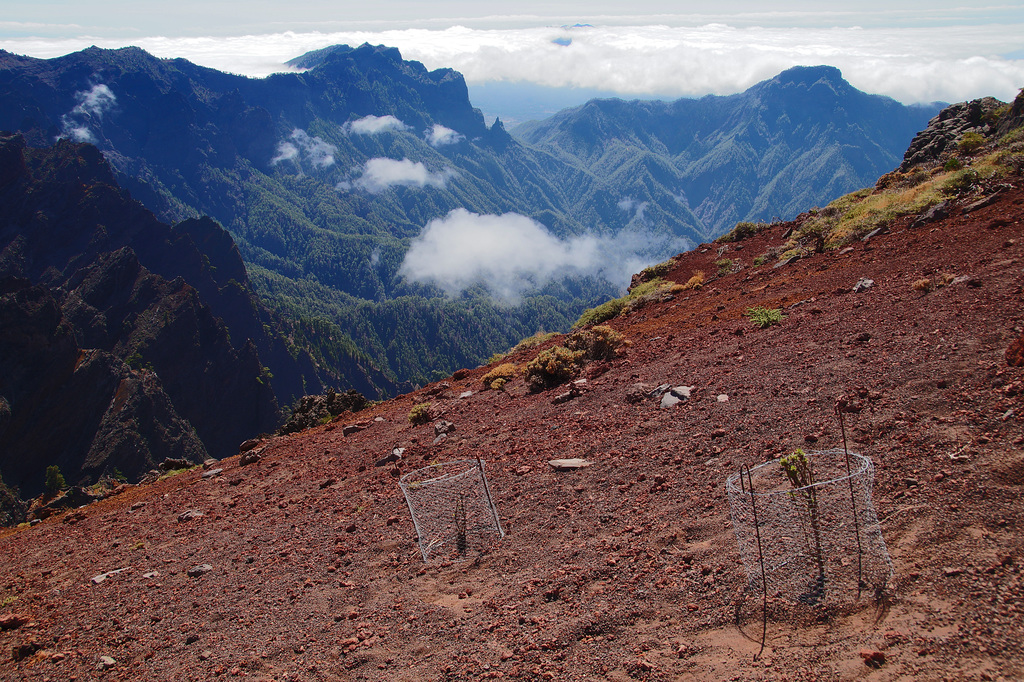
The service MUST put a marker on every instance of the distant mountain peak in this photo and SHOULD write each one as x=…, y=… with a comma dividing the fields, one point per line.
x=314, y=58
x=807, y=78
x=810, y=74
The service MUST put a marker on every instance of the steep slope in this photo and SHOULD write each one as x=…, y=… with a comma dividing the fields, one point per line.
x=82, y=409
x=305, y=563
x=100, y=300
x=802, y=138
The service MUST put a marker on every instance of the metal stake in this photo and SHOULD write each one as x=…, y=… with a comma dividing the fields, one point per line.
x=853, y=503
x=760, y=559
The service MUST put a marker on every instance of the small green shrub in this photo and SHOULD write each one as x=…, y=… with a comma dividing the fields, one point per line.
x=419, y=414
x=959, y=182
x=597, y=343
x=743, y=230
x=659, y=270
x=534, y=341
x=760, y=260
x=500, y=375
x=602, y=313
x=970, y=142
x=764, y=317
x=724, y=266
x=952, y=164
x=800, y=472
x=552, y=367
x=54, y=479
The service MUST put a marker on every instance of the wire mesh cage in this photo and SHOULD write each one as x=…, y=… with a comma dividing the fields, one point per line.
x=807, y=529
x=452, y=509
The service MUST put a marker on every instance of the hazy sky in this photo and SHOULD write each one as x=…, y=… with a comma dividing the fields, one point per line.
x=908, y=49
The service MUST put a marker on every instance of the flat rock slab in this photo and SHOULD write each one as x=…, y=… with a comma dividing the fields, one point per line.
x=97, y=579
x=197, y=571
x=568, y=464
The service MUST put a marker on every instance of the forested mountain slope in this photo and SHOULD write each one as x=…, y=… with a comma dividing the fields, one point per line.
x=702, y=165
x=326, y=179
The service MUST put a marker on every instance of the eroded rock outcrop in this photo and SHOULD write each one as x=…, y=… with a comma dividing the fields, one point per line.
x=947, y=128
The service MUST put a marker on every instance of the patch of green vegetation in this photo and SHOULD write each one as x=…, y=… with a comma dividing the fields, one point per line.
x=597, y=343
x=1015, y=135
x=959, y=182
x=901, y=194
x=552, y=367
x=419, y=414
x=659, y=270
x=743, y=230
x=764, y=317
x=500, y=375
x=534, y=341
x=970, y=142
x=174, y=472
x=854, y=215
x=648, y=291
x=559, y=364
x=54, y=479
x=603, y=312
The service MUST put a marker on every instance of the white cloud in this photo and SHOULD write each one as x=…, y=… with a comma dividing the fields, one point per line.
x=511, y=254
x=78, y=133
x=94, y=102
x=374, y=125
x=315, y=150
x=380, y=174
x=637, y=208
x=286, y=151
x=92, y=105
x=439, y=136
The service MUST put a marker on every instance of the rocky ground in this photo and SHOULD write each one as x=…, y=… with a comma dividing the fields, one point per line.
x=304, y=564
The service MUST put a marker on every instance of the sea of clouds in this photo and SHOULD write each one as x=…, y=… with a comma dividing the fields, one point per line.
x=924, y=63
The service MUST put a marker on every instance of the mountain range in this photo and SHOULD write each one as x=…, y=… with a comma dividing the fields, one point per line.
x=328, y=177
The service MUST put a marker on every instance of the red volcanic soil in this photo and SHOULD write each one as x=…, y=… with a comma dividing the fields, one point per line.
x=626, y=569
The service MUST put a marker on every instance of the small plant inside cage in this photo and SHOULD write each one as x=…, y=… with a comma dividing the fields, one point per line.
x=807, y=529
x=452, y=509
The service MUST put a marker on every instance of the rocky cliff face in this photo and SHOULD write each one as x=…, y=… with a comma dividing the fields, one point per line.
x=112, y=356
x=84, y=410
x=946, y=128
